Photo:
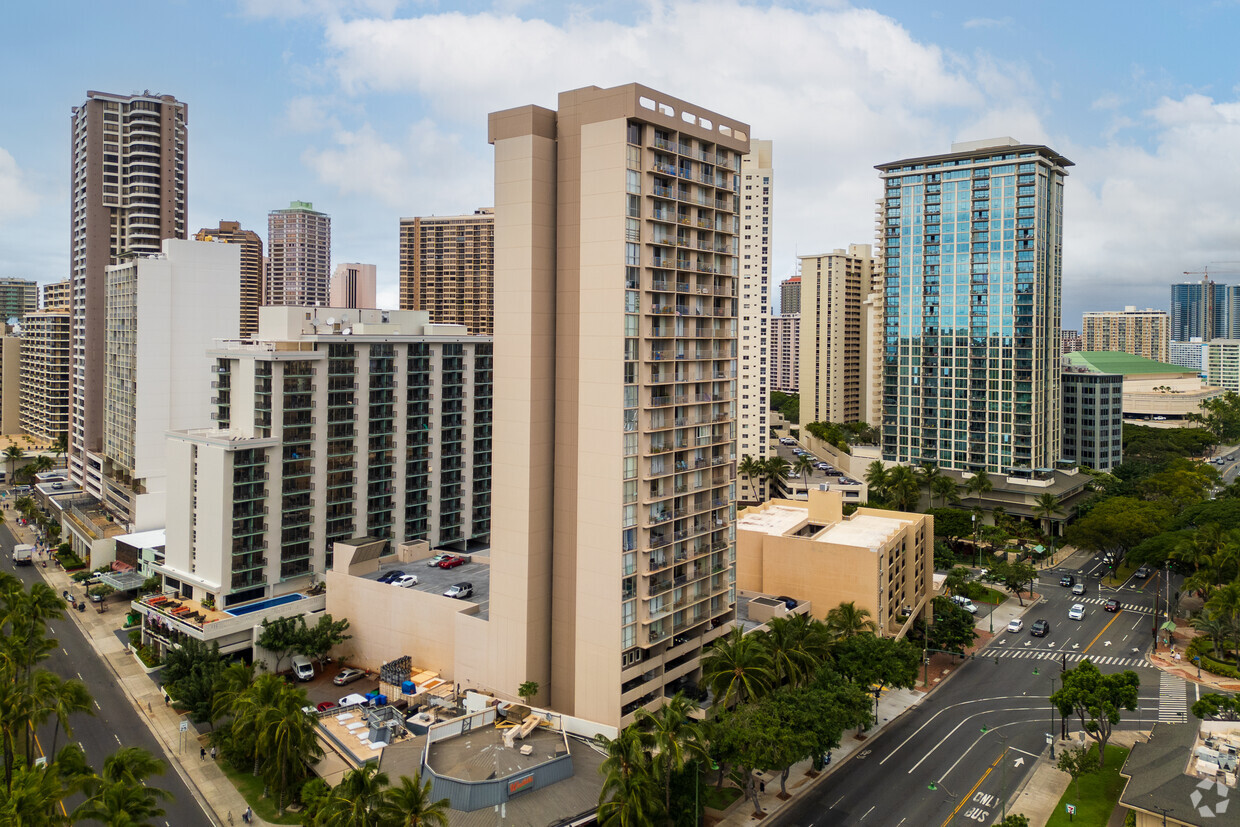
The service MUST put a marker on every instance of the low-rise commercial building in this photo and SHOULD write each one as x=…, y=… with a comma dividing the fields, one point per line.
x=1156, y=394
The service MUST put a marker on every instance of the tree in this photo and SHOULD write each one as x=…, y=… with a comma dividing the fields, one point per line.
x=1016, y=576
x=847, y=620
x=1213, y=627
x=629, y=793
x=12, y=455
x=979, y=484
x=876, y=479
x=287, y=741
x=1096, y=700
x=120, y=794
x=527, y=691
x=355, y=801
x=903, y=488
x=877, y=662
x=1014, y=820
x=1118, y=525
x=804, y=465
x=777, y=468
x=1218, y=707
x=737, y=668
x=951, y=523
x=753, y=470
x=674, y=737
x=316, y=641
x=1045, y=507
x=956, y=579
x=69, y=697
x=953, y=629
x=760, y=736
x=1078, y=761
x=944, y=487
x=797, y=644
x=409, y=804
x=281, y=635
x=60, y=445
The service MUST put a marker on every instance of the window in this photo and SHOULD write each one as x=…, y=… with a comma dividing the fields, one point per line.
x=633, y=180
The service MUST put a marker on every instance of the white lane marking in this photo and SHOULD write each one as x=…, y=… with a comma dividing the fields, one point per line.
x=837, y=801
x=97, y=706
x=965, y=721
x=867, y=812
x=1138, y=623
x=118, y=740
x=983, y=735
x=79, y=674
x=937, y=714
x=66, y=651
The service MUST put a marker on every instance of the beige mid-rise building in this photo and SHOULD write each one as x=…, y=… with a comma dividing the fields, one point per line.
x=299, y=254
x=1144, y=333
x=57, y=294
x=757, y=191
x=832, y=354
x=45, y=373
x=230, y=232
x=353, y=285
x=447, y=268
x=616, y=296
x=785, y=347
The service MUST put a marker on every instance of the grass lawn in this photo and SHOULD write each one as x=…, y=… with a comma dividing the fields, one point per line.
x=991, y=596
x=719, y=799
x=1099, y=793
x=1122, y=573
x=251, y=790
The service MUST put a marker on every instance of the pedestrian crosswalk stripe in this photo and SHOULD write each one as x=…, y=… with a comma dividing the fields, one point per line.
x=1172, y=699
x=1072, y=657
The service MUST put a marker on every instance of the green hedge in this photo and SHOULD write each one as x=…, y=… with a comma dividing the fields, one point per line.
x=1203, y=648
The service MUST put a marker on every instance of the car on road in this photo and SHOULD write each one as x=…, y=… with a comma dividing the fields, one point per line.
x=437, y=559
x=1079, y=588
x=347, y=676
x=388, y=577
x=1112, y=605
x=1142, y=573
x=1039, y=628
x=460, y=590
x=1015, y=624
x=1067, y=580
x=1077, y=612
x=452, y=562
x=406, y=581
x=326, y=705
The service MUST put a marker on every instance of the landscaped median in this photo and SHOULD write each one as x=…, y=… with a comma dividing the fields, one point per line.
x=1100, y=791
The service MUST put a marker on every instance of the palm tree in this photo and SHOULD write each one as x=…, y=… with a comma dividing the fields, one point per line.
x=251, y=712
x=410, y=805
x=737, y=668
x=1201, y=547
x=796, y=644
x=629, y=790
x=944, y=487
x=34, y=798
x=1212, y=626
x=804, y=466
x=69, y=697
x=286, y=742
x=12, y=455
x=979, y=484
x=675, y=738
x=754, y=470
x=122, y=805
x=927, y=475
x=847, y=620
x=876, y=479
x=1225, y=605
x=355, y=801
x=40, y=464
x=60, y=446
x=777, y=468
x=1046, y=506
x=903, y=489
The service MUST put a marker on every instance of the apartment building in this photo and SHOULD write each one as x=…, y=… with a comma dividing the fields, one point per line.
x=1190, y=354
x=785, y=336
x=44, y=393
x=1144, y=333
x=973, y=271
x=353, y=285
x=1070, y=340
x=790, y=296
x=17, y=298
x=129, y=191
x=757, y=191
x=10, y=384
x=833, y=351
x=1093, y=417
x=299, y=255
x=231, y=232
x=616, y=295
x=331, y=424
x=1199, y=309
x=57, y=294
x=447, y=268
x=1223, y=364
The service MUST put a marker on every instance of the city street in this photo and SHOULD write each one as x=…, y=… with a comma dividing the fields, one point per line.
x=956, y=739
x=115, y=722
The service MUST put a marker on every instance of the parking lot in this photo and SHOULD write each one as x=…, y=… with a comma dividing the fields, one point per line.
x=322, y=689
x=436, y=580
x=797, y=484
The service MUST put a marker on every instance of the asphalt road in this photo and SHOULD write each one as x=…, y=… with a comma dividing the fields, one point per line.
x=999, y=699
x=115, y=722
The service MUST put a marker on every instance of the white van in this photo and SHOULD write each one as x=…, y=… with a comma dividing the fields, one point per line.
x=303, y=668
x=965, y=603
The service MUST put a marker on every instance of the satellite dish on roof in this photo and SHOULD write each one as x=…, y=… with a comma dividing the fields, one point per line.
x=344, y=318
x=314, y=321
x=331, y=320
x=346, y=331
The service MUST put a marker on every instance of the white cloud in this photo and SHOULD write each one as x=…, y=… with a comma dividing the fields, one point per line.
x=309, y=113
x=16, y=198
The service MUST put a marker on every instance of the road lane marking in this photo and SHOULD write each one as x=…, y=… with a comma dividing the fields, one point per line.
x=867, y=812
x=968, y=796
x=97, y=706
x=1138, y=623
x=117, y=737
x=962, y=723
x=66, y=651
x=1100, y=634
x=983, y=735
x=937, y=714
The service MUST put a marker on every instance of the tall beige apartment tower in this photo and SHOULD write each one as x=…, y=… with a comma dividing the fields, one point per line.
x=757, y=195
x=832, y=353
x=785, y=350
x=447, y=268
x=790, y=296
x=353, y=285
x=299, y=254
x=45, y=373
x=128, y=162
x=230, y=232
x=615, y=357
x=1145, y=333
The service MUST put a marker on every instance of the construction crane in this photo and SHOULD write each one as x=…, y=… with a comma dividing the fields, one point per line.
x=1206, y=319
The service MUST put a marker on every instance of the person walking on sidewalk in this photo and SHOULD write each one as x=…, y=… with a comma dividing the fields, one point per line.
x=212, y=753
x=202, y=753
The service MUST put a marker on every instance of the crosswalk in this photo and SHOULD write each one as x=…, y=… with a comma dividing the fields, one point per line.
x=1058, y=656
x=1172, y=699
x=1099, y=601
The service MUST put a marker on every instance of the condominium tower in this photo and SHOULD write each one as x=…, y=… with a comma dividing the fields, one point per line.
x=973, y=270
x=616, y=296
x=17, y=298
x=230, y=232
x=128, y=195
x=1198, y=310
x=353, y=285
x=785, y=353
x=757, y=191
x=1142, y=333
x=45, y=373
x=447, y=268
x=57, y=294
x=790, y=296
x=832, y=351
x=299, y=254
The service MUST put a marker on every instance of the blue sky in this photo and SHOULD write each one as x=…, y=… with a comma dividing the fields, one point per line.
x=376, y=109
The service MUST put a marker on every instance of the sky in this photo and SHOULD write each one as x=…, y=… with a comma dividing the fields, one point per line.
x=376, y=109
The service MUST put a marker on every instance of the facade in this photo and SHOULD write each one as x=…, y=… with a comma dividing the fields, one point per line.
x=833, y=351
x=956, y=297
x=129, y=191
x=230, y=232
x=1070, y=340
x=1199, y=310
x=44, y=391
x=57, y=294
x=10, y=384
x=1093, y=418
x=616, y=295
x=299, y=254
x=1223, y=364
x=1190, y=354
x=17, y=298
x=883, y=561
x=1143, y=333
x=790, y=296
x=1231, y=313
x=324, y=435
x=447, y=268
x=1156, y=394
x=353, y=285
x=757, y=191
x=163, y=314
x=785, y=347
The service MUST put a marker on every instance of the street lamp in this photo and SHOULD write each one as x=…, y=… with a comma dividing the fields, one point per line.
x=1003, y=761
x=973, y=517
x=933, y=787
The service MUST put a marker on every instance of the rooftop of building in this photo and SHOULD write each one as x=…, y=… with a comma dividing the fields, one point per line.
x=1116, y=361
x=862, y=531
x=979, y=150
x=1176, y=762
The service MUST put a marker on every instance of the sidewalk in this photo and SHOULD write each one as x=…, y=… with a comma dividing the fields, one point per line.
x=1038, y=798
x=206, y=781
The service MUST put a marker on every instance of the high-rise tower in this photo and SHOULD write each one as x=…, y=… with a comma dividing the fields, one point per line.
x=754, y=362
x=129, y=193
x=973, y=244
x=447, y=267
x=251, y=269
x=299, y=254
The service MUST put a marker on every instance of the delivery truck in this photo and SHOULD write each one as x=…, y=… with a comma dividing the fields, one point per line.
x=23, y=555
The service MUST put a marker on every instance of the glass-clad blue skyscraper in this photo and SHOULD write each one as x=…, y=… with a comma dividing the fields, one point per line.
x=973, y=246
x=1199, y=311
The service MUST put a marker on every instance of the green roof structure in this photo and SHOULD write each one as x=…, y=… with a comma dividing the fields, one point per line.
x=1117, y=361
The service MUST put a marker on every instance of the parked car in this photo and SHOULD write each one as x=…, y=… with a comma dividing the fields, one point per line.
x=1015, y=624
x=406, y=581
x=303, y=668
x=790, y=603
x=1112, y=605
x=460, y=590
x=1079, y=588
x=1067, y=580
x=347, y=676
x=787, y=440
x=965, y=603
x=822, y=466
x=326, y=705
x=451, y=562
x=352, y=700
x=437, y=559
x=1077, y=612
x=1039, y=628
x=388, y=577
x=1142, y=573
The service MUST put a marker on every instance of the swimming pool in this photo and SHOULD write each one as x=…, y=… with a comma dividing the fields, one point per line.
x=263, y=604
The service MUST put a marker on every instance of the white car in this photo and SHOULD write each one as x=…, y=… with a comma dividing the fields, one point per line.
x=437, y=559
x=406, y=581
x=1077, y=612
x=351, y=700
x=1016, y=624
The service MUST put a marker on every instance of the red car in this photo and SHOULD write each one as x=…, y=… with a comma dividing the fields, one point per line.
x=452, y=562
x=326, y=705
